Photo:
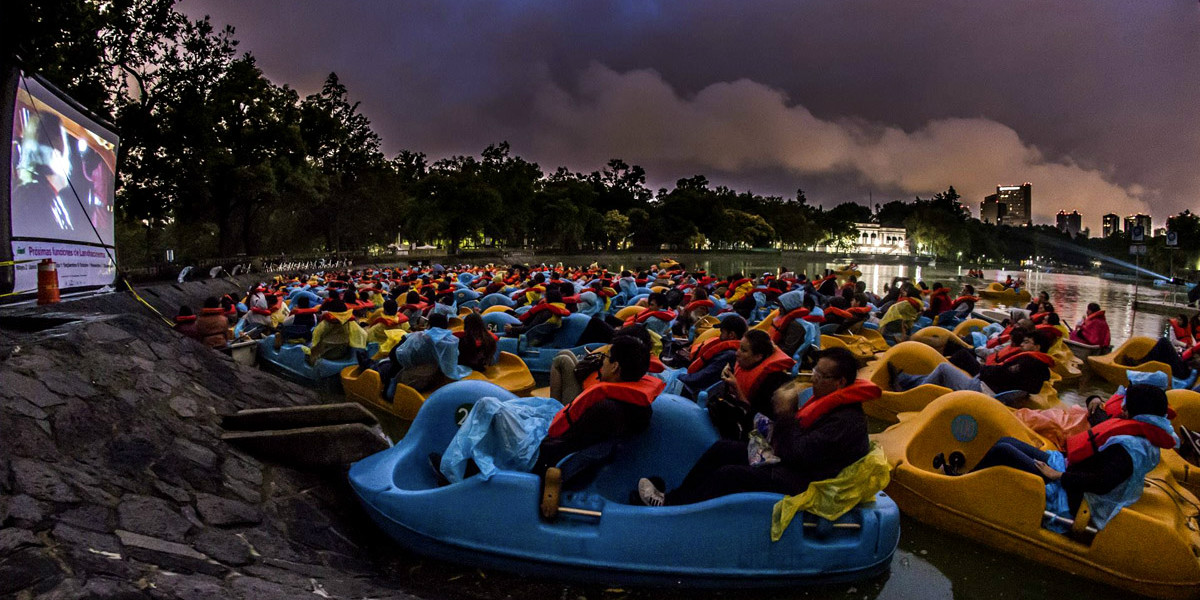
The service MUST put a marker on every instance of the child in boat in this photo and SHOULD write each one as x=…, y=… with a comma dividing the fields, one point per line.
x=713, y=357
x=813, y=442
x=1025, y=370
x=614, y=406
x=1108, y=464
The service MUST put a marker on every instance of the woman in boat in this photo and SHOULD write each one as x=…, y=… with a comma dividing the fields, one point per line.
x=713, y=357
x=1107, y=464
x=813, y=442
x=1025, y=370
x=476, y=345
x=185, y=322
x=212, y=325
x=788, y=330
x=614, y=406
x=761, y=368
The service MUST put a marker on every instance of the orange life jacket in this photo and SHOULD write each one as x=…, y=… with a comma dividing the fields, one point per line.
x=780, y=325
x=642, y=317
x=748, y=380
x=699, y=304
x=859, y=391
x=961, y=299
x=544, y=306
x=1083, y=445
x=638, y=393
x=1182, y=333
x=1114, y=405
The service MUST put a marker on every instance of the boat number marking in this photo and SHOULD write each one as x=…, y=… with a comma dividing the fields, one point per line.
x=460, y=414
x=964, y=428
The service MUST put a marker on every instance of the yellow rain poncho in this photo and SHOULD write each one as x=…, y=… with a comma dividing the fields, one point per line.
x=900, y=310
x=342, y=329
x=832, y=498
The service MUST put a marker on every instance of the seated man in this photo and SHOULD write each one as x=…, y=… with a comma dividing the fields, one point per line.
x=788, y=330
x=813, y=442
x=1163, y=351
x=1026, y=371
x=713, y=357
x=212, y=326
x=388, y=318
x=337, y=335
x=424, y=359
x=615, y=406
x=542, y=320
x=297, y=328
x=1107, y=464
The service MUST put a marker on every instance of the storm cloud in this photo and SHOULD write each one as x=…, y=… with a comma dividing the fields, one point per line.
x=1092, y=102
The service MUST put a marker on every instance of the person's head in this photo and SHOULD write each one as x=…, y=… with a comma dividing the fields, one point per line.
x=1053, y=319
x=390, y=307
x=336, y=305
x=186, y=311
x=212, y=302
x=937, y=285
x=968, y=290
x=628, y=359
x=839, y=302
x=473, y=326
x=1047, y=307
x=349, y=297
x=733, y=328
x=364, y=296
x=439, y=320
x=656, y=300
x=699, y=293
x=554, y=295
x=756, y=347
x=860, y=299
x=446, y=299
x=1043, y=297
x=1093, y=307
x=1038, y=341
x=303, y=302
x=1145, y=399
x=835, y=369
x=413, y=298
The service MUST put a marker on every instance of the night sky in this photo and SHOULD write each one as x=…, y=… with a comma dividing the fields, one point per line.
x=1097, y=103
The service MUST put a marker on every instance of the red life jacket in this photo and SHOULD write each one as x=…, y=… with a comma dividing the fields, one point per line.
x=748, y=380
x=656, y=365
x=1050, y=330
x=1182, y=333
x=1083, y=445
x=418, y=307
x=389, y=320
x=859, y=391
x=961, y=299
x=544, y=306
x=1113, y=406
x=999, y=356
x=859, y=311
x=536, y=289
x=1002, y=338
x=1041, y=357
x=781, y=323
x=181, y=319
x=699, y=304
x=305, y=311
x=638, y=393
x=1037, y=318
x=732, y=289
x=939, y=301
x=642, y=317
x=711, y=349
x=837, y=312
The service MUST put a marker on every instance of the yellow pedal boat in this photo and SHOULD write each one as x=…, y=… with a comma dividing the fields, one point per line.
x=996, y=292
x=918, y=358
x=1151, y=548
x=365, y=386
x=1110, y=367
x=863, y=350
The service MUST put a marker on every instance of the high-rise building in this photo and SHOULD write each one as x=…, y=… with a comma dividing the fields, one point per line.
x=1139, y=219
x=1010, y=205
x=1070, y=223
x=1112, y=224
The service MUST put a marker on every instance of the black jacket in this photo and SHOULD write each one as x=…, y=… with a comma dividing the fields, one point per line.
x=836, y=441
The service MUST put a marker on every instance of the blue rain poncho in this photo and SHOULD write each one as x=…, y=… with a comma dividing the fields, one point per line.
x=499, y=435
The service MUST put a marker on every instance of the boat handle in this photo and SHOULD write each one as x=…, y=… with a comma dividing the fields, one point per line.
x=1068, y=522
x=836, y=525
x=580, y=511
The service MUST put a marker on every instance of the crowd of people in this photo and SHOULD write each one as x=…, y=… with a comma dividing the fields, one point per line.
x=738, y=340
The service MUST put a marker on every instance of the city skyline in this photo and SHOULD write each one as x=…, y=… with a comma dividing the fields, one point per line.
x=863, y=101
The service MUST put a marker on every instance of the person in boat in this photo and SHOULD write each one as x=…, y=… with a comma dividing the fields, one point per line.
x=788, y=330
x=297, y=328
x=337, y=335
x=389, y=318
x=1106, y=465
x=813, y=440
x=212, y=326
x=1025, y=370
x=699, y=307
x=1163, y=351
x=900, y=318
x=413, y=309
x=423, y=359
x=759, y=370
x=1180, y=334
x=257, y=321
x=614, y=406
x=445, y=304
x=476, y=345
x=541, y=322
x=939, y=300
x=713, y=357
x=1093, y=328
x=185, y=323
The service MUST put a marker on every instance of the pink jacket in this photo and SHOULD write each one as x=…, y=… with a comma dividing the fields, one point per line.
x=1093, y=330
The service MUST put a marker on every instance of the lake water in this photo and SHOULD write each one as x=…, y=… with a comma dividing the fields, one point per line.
x=929, y=564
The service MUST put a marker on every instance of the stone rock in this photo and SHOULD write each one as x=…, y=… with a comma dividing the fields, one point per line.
x=177, y=494
x=25, y=408
x=168, y=554
x=28, y=388
x=183, y=406
x=93, y=517
x=85, y=539
x=196, y=453
x=153, y=517
x=189, y=587
x=224, y=547
x=253, y=588
x=132, y=453
x=28, y=569
x=103, y=332
x=223, y=512
x=12, y=538
x=65, y=384
x=76, y=427
x=23, y=509
x=40, y=481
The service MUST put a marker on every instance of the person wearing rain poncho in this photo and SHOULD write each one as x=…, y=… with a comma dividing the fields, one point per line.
x=1105, y=465
x=424, y=358
x=258, y=319
x=337, y=334
x=899, y=319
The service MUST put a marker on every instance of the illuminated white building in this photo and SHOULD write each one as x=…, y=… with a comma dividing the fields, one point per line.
x=874, y=239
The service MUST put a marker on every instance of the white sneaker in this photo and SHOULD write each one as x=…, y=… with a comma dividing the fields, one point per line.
x=650, y=494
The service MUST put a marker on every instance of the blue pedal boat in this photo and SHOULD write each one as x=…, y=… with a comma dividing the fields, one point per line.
x=291, y=362
x=538, y=358
x=598, y=536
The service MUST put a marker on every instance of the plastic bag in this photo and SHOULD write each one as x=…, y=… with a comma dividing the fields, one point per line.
x=499, y=435
x=759, y=450
x=832, y=498
x=1055, y=424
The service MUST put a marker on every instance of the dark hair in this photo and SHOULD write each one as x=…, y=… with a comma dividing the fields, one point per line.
x=760, y=342
x=349, y=297
x=734, y=324
x=186, y=311
x=658, y=298
x=335, y=305
x=439, y=320
x=699, y=294
x=390, y=307
x=1145, y=399
x=631, y=355
x=302, y=301
x=211, y=302
x=636, y=331
x=1053, y=319
x=845, y=365
x=412, y=298
x=1016, y=336
x=1092, y=307
x=1042, y=340
x=554, y=295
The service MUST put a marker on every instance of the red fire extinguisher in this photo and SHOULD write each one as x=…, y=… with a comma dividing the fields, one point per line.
x=47, y=290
